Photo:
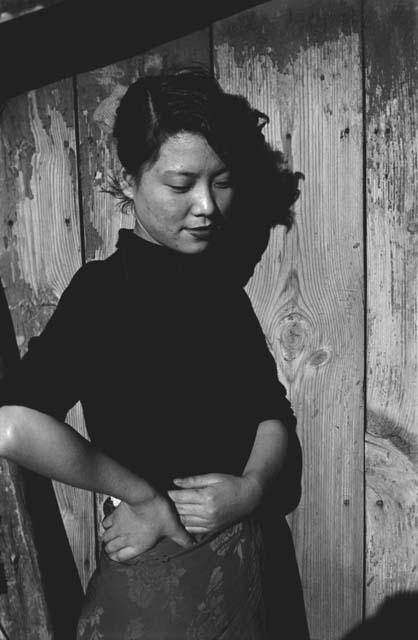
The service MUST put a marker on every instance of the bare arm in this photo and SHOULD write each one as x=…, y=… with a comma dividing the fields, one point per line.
x=54, y=449
x=268, y=454
x=210, y=501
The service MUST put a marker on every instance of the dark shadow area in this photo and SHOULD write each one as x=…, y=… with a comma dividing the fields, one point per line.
x=267, y=195
x=9, y=352
x=74, y=36
x=282, y=587
x=61, y=582
x=285, y=608
x=396, y=618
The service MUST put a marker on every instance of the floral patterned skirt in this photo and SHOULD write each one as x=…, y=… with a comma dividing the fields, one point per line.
x=211, y=591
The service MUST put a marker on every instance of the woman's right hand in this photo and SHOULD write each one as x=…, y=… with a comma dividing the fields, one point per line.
x=134, y=528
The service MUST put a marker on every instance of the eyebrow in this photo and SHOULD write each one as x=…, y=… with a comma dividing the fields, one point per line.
x=192, y=174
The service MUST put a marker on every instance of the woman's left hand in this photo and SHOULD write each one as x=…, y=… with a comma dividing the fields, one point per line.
x=214, y=500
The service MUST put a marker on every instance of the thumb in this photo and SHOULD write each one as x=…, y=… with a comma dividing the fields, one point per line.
x=198, y=481
x=183, y=538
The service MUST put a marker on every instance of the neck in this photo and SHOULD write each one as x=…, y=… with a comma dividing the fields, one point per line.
x=140, y=231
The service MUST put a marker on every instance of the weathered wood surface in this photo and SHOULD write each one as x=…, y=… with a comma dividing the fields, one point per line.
x=40, y=250
x=391, y=47
x=301, y=64
x=23, y=608
x=99, y=93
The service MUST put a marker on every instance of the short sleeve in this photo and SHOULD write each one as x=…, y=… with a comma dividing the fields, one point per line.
x=270, y=396
x=48, y=376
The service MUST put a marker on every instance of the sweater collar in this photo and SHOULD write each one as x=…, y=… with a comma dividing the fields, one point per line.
x=140, y=255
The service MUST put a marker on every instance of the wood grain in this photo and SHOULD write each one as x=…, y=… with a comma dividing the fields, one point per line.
x=99, y=93
x=391, y=45
x=301, y=64
x=40, y=249
x=23, y=609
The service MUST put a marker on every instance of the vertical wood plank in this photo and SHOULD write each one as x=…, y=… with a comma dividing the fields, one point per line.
x=23, y=609
x=300, y=62
x=40, y=248
x=99, y=93
x=391, y=45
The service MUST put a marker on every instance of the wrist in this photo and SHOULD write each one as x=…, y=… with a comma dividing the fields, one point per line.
x=155, y=509
x=141, y=492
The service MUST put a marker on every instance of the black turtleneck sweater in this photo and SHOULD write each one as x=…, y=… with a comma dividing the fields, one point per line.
x=167, y=357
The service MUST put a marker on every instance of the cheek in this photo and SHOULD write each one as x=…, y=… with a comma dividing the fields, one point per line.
x=163, y=208
x=171, y=209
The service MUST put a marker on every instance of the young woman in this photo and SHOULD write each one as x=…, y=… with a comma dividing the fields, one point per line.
x=190, y=427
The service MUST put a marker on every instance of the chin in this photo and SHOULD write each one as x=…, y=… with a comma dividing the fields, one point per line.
x=193, y=247
x=199, y=249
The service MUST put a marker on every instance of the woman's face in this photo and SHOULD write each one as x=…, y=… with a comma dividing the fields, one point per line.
x=183, y=196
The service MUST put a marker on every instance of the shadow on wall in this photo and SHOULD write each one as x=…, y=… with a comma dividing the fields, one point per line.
x=396, y=618
x=265, y=201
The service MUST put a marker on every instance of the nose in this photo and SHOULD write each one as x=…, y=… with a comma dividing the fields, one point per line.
x=204, y=203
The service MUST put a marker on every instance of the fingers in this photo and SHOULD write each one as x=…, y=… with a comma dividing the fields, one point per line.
x=193, y=529
x=183, y=538
x=191, y=509
x=196, y=523
x=187, y=496
x=124, y=554
x=191, y=521
x=110, y=534
x=115, y=545
x=199, y=481
x=107, y=522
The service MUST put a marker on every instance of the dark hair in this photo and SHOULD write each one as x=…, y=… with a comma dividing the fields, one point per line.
x=157, y=107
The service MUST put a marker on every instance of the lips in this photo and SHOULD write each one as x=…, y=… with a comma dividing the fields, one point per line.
x=201, y=232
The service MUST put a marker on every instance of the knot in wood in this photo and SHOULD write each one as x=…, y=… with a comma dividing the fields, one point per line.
x=412, y=227
x=293, y=335
x=319, y=358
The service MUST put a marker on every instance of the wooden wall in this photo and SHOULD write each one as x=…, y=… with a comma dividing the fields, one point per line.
x=391, y=124
x=336, y=296
x=309, y=80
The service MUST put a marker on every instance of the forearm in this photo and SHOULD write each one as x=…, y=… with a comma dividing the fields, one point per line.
x=54, y=449
x=268, y=454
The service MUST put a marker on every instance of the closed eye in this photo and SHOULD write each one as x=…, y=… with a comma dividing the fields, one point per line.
x=178, y=189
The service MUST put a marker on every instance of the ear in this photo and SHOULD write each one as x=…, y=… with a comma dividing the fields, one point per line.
x=127, y=184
